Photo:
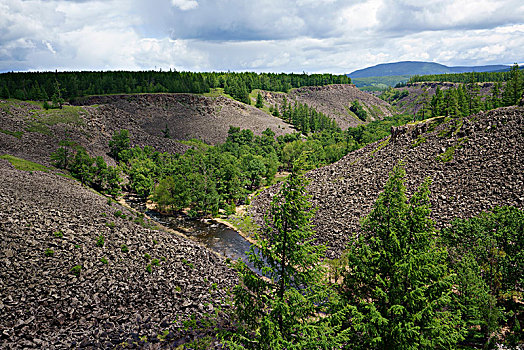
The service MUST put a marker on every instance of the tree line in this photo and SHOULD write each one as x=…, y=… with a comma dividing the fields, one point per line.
x=41, y=86
x=304, y=118
x=205, y=178
x=477, y=77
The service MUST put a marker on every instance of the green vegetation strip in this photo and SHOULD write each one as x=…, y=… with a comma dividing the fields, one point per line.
x=22, y=164
x=17, y=134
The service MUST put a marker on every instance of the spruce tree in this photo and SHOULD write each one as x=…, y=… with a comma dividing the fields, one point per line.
x=281, y=310
x=397, y=285
x=260, y=101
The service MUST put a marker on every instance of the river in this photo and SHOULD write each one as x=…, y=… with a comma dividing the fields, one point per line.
x=213, y=235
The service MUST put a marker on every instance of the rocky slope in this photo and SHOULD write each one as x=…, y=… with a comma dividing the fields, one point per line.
x=29, y=132
x=49, y=224
x=412, y=102
x=186, y=115
x=334, y=101
x=485, y=169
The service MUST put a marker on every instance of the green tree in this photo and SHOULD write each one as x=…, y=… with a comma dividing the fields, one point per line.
x=282, y=311
x=491, y=245
x=119, y=142
x=172, y=193
x=260, y=101
x=514, y=87
x=397, y=285
x=358, y=110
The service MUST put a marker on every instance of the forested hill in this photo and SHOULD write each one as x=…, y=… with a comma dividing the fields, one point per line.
x=418, y=68
x=67, y=85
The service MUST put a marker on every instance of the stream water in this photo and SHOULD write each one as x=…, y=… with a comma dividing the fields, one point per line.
x=215, y=236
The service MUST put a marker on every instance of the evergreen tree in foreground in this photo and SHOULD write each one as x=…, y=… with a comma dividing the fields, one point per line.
x=287, y=309
x=397, y=286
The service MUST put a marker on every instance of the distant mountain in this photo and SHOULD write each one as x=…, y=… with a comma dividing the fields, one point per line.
x=419, y=68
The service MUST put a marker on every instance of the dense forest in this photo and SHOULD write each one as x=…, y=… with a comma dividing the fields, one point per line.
x=477, y=77
x=42, y=86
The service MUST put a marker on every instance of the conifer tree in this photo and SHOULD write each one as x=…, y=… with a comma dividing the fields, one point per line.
x=260, y=101
x=397, y=284
x=281, y=311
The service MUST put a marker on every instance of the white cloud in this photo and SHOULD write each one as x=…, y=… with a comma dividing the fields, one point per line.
x=185, y=5
x=270, y=35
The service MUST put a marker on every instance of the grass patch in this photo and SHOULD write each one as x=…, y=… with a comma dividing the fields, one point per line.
x=100, y=241
x=380, y=146
x=447, y=155
x=217, y=92
x=41, y=119
x=75, y=270
x=49, y=252
x=244, y=224
x=375, y=111
x=66, y=115
x=17, y=134
x=25, y=165
x=37, y=126
x=420, y=140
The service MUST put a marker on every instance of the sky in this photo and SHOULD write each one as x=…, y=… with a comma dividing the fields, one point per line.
x=312, y=36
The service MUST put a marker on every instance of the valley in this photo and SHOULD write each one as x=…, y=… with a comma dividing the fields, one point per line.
x=81, y=270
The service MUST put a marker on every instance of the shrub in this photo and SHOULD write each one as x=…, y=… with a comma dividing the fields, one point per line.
x=103, y=260
x=75, y=270
x=100, y=241
x=124, y=248
x=58, y=234
x=49, y=252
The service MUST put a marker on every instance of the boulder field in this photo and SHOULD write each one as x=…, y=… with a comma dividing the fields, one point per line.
x=475, y=164
x=79, y=270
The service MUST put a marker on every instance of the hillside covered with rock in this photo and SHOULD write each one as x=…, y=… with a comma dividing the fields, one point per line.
x=411, y=97
x=30, y=132
x=186, y=116
x=78, y=270
x=475, y=164
x=334, y=101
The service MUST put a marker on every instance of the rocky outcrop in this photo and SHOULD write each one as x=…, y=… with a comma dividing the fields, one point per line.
x=484, y=169
x=186, y=116
x=49, y=224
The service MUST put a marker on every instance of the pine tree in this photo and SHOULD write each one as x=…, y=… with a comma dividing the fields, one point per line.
x=396, y=284
x=260, y=101
x=281, y=311
x=514, y=87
